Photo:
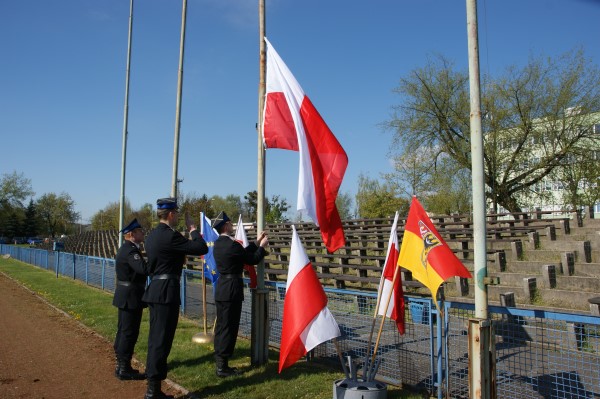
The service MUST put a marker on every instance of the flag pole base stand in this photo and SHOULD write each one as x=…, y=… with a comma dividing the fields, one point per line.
x=202, y=338
x=357, y=389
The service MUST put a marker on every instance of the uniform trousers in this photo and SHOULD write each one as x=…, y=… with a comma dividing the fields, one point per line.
x=163, y=323
x=226, y=329
x=128, y=329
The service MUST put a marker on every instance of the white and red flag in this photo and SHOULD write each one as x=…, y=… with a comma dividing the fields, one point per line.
x=307, y=322
x=391, y=296
x=240, y=236
x=291, y=122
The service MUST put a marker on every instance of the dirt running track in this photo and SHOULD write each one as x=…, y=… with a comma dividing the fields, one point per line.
x=46, y=354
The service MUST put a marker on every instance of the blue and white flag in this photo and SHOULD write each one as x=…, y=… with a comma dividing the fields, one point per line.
x=210, y=235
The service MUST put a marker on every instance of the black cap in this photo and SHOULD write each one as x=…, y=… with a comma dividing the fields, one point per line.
x=220, y=220
x=167, y=203
x=131, y=226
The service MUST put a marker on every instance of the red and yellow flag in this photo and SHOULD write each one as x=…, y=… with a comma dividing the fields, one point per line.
x=425, y=253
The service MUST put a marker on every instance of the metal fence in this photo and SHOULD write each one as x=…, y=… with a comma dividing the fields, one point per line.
x=539, y=354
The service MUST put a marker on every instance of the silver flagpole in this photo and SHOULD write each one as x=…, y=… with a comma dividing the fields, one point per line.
x=481, y=342
x=178, y=108
x=125, y=123
x=259, y=340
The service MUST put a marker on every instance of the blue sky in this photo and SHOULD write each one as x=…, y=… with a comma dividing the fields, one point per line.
x=62, y=83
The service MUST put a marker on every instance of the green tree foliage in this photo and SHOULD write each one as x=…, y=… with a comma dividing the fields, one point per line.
x=376, y=200
x=15, y=188
x=529, y=125
x=580, y=178
x=343, y=202
x=57, y=213
x=31, y=223
x=145, y=215
x=251, y=206
x=108, y=217
x=276, y=209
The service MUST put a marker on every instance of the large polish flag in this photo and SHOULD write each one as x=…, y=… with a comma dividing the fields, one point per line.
x=391, y=296
x=240, y=236
x=307, y=322
x=291, y=122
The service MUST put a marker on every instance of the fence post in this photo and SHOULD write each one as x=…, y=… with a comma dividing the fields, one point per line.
x=534, y=239
x=103, y=271
x=500, y=260
x=516, y=247
x=549, y=275
x=530, y=287
x=74, y=266
x=567, y=262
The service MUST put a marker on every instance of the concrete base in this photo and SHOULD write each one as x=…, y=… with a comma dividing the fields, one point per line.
x=357, y=389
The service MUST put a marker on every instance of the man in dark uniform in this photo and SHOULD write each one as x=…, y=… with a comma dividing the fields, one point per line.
x=166, y=250
x=230, y=257
x=130, y=268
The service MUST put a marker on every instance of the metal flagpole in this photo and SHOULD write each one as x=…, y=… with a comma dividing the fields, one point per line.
x=125, y=123
x=178, y=108
x=259, y=342
x=481, y=344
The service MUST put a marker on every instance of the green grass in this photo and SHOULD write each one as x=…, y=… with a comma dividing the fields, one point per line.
x=191, y=365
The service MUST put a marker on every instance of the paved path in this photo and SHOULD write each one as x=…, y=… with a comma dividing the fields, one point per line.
x=44, y=353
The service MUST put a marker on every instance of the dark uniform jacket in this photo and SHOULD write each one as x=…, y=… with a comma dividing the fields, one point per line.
x=130, y=267
x=166, y=250
x=230, y=257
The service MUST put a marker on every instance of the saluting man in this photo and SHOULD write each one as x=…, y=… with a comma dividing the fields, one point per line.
x=131, y=271
x=166, y=250
x=230, y=257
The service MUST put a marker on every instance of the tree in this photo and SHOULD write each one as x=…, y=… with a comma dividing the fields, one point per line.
x=145, y=216
x=251, y=205
x=376, y=200
x=580, y=179
x=529, y=125
x=450, y=189
x=14, y=189
x=108, y=217
x=31, y=222
x=57, y=213
x=343, y=202
x=441, y=184
x=276, y=209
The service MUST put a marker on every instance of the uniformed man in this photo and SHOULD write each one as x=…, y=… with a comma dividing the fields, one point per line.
x=166, y=250
x=131, y=271
x=230, y=257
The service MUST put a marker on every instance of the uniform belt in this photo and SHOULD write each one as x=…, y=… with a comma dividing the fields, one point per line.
x=235, y=275
x=166, y=277
x=129, y=283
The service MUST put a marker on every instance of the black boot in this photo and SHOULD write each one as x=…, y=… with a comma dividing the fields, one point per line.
x=124, y=371
x=154, y=391
x=223, y=369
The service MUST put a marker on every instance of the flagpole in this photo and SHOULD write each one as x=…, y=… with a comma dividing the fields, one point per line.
x=125, y=123
x=178, y=107
x=387, y=304
x=200, y=337
x=379, y=292
x=259, y=339
x=481, y=342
